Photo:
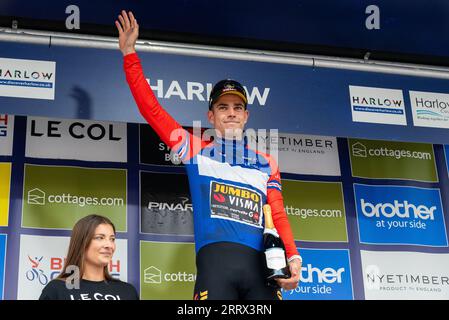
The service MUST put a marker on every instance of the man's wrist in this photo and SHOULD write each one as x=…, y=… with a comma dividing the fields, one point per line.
x=297, y=256
x=128, y=51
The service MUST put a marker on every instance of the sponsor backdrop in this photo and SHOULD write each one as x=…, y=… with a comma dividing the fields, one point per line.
x=369, y=217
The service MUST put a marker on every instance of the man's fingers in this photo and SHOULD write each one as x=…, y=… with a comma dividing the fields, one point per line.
x=290, y=283
x=122, y=22
x=119, y=27
x=125, y=17
x=133, y=20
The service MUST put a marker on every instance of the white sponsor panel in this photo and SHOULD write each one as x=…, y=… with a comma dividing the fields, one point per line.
x=377, y=105
x=405, y=275
x=6, y=134
x=42, y=257
x=22, y=78
x=430, y=109
x=76, y=139
x=297, y=153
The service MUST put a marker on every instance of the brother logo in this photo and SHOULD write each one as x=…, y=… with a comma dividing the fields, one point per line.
x=400, y=209
x=311, y=274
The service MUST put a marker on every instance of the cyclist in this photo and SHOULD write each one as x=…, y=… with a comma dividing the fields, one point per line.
x=229, y=183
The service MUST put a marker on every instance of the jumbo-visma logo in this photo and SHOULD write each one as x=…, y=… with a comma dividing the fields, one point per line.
x=229, y=201
x=325, y=275
x=400, y=215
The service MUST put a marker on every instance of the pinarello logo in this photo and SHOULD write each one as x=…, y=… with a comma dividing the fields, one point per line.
x=219, y=197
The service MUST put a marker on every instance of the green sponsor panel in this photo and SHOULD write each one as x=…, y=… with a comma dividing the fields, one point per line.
x=167, y=270
x=315, y=210
x=392, y=160
x=56, y=197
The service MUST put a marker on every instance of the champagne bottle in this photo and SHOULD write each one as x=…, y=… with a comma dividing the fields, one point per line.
x=275, y=258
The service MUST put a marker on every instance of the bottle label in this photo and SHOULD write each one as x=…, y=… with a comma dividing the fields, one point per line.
x=275, y=258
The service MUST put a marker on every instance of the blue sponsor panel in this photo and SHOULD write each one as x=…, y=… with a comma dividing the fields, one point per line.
x=2, y=263
x=400, y=215
x=325, y=275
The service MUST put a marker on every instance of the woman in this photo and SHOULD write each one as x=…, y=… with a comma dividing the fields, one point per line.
x=85, y=273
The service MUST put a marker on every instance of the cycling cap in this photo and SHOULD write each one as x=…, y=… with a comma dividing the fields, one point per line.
x=227, y=86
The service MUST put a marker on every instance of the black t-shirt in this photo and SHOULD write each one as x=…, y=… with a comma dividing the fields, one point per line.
x=89, y=290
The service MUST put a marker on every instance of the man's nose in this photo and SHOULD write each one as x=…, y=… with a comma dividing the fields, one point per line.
x=231, y=112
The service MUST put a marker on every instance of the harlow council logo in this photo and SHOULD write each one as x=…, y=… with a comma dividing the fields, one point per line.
x=36, y=196
x=430, y=109
x=152, y=275
x=359, y=150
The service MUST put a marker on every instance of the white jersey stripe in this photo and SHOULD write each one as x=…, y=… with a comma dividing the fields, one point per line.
x=222, y=170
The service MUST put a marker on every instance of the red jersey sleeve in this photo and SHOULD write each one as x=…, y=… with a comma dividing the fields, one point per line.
x=167, y=128
x=276, y=201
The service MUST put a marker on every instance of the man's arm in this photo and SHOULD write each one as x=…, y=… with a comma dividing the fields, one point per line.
x=276, y=201
x=160, y=120
x=167, y=128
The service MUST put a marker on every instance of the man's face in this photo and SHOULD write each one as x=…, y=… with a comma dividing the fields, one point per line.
x=228, y=116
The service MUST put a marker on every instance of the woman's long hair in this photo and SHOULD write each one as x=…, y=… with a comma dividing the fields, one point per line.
x=82, y=234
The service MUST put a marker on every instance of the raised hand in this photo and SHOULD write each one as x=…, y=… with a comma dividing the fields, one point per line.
x=128, y=31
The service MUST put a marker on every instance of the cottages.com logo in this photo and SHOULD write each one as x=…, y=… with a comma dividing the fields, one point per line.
x=360, y=150
x=153, y=275
x=38, y=197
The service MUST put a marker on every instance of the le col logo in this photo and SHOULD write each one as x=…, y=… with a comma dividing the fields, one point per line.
x=76, y=130
x=399, y=209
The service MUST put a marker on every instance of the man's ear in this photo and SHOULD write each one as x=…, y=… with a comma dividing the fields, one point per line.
x=210, y=116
